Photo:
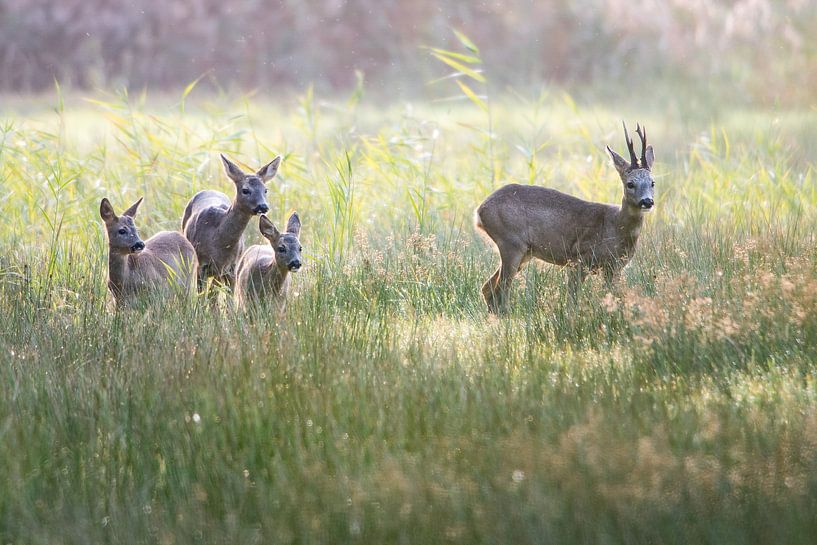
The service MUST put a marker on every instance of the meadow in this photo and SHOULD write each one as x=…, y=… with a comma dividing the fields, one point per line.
x=387, y=406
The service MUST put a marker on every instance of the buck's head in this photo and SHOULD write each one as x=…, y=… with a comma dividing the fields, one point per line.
x=639, y=186
x=286, y=245
x=122, y=235
x=250, y=189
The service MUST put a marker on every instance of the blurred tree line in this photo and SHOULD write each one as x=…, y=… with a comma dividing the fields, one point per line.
x=764, y=47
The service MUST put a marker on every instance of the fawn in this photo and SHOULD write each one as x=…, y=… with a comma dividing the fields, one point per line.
x=263, y=271
x=163, y=261
x=214, y=224
x=530, y=221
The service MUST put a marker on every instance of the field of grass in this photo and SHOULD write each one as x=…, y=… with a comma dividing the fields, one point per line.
x=387, y=406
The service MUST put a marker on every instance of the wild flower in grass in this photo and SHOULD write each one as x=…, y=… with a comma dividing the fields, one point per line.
x=370, y=258
x=710, y=320
x=743, y=250
x=698, y=315
x=750, y=304
x=788, y=297
x=727, y=328
x=423, y=245
x=610, y=303
x=645, y=313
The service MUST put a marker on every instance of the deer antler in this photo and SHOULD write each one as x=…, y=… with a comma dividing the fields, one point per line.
x=642, y=133
x=633, y=159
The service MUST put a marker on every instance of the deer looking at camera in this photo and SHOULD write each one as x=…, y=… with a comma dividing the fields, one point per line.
x=214, y=224
x=263, y=270
x=163, y=262
x=530, y=221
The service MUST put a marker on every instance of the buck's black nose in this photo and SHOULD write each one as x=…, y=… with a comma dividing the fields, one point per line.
x=294, y=265
x=261, y=209
x=138, y=247
x=646, y=203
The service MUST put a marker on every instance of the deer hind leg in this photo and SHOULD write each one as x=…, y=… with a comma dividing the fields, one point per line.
x=497, y=288
x=489, y=290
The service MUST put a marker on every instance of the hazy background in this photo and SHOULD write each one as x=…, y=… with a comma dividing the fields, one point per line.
x=758, y=51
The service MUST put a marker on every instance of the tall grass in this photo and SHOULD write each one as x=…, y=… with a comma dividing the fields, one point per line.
x=386, y=406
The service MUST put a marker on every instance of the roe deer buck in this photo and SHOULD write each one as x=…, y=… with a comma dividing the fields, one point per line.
x=165, y=260
x=214, y=224
x=264, y=270
x=530, y=221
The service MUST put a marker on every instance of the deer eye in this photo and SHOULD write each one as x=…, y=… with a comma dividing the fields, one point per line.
x=300, y=248
x=123, y=231
x=631, y=185
x=282, y=249
x=245, y=191
x=652, y=184
x=265, y=192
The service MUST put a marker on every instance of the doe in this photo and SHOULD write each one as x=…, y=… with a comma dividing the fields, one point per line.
x=214, y=224
x=163, y=261
x=531, y=221
x=263, y=271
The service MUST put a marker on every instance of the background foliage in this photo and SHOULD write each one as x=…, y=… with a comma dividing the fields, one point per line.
x=754, y=50
x=386, y=406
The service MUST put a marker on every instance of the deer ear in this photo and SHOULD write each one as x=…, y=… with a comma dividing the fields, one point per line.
x=269, y=170
x=268, y=229
x=621, y=164
x=131, y=212
x=649, y=154
x=232, y=170
x=106, y=211
x=294, y=224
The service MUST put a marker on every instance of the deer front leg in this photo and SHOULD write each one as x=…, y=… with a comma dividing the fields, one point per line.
x=229, y=280
x=201, y=278
x=577, y=275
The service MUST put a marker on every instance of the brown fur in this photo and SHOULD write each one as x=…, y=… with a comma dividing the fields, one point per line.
x=167, y=262
x=531, y=221
x=263, y=270
x=215, y=225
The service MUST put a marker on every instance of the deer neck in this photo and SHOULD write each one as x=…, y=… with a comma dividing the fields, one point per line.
x=628, y=225
x=231, y=229
x=274, y=278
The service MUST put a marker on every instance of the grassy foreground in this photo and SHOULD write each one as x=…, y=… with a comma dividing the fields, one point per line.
x=386, y=407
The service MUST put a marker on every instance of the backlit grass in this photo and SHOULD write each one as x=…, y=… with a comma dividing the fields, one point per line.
x=386, y=406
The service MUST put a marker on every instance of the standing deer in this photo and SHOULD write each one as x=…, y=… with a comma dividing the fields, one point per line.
x=163, y=261
x=214, y=224
x=263, y=271
x=530, y=221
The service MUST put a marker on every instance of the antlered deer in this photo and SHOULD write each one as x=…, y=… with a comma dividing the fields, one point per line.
x=165, y=261
x=214, y=224
x=263, y=270
x=530, y=221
